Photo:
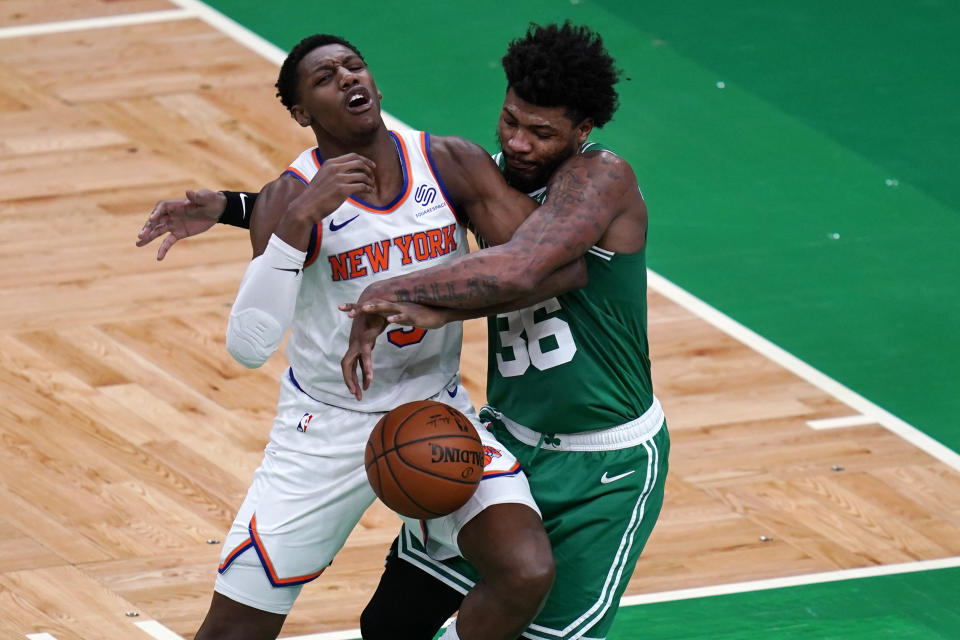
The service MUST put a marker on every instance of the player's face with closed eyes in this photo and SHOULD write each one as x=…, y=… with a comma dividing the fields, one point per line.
x=336, y=91
x=536, y=140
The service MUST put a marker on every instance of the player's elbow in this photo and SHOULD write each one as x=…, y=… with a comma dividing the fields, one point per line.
x=252, y=337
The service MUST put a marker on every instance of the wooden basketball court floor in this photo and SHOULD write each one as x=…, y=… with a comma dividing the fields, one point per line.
x=128, y=435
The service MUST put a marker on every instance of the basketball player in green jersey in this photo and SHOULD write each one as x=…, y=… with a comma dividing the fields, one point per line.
x=568, y=380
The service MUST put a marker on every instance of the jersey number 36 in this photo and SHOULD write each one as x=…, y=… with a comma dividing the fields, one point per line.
x=548, y=342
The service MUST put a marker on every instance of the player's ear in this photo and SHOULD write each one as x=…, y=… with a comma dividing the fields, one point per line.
x=582, y=130
x=299, y=114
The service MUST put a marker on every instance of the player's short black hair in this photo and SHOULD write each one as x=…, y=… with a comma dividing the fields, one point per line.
x=564, y=66
x=288, y=78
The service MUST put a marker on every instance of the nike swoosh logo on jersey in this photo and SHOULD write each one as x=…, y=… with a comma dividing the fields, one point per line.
x=293, y=271
x=336, y=227
x=605, y=479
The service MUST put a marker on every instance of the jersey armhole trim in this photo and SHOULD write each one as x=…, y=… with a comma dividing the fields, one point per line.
x=425, y=145
x=313, y=249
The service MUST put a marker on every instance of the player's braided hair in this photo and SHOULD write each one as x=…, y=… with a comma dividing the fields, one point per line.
x=288, y=78
x=564, y=66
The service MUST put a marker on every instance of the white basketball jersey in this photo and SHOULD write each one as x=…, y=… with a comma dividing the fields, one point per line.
x=359, y=244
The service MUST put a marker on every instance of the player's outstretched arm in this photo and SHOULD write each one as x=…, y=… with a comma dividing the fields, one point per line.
x=181, y=218
x=371, y=317
x=410, y=314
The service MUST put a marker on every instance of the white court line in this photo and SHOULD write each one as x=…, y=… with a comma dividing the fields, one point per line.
x=160, y=632
x=791, y=581
x=735, y=587
x=41, y=636
x=840, y=423
x=44, y=28
x=188, y=9
x=255, y=42
x=350, y=634
x=793, y=364
x=156, y=630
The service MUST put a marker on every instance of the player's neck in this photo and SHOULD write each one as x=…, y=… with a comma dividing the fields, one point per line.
x=382, y=149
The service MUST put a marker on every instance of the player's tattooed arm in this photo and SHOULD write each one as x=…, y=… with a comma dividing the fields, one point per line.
x=566, y=278
x=584, y=197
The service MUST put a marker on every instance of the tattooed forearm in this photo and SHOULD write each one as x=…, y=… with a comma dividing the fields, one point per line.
x=469, y=293
x=583, y=197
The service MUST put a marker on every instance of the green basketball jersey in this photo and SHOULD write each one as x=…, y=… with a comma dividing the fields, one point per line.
x=580, y=361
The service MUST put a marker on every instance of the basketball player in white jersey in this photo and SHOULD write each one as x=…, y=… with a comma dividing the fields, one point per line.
x=363, y=205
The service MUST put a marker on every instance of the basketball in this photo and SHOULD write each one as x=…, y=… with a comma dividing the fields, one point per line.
x=424, y=459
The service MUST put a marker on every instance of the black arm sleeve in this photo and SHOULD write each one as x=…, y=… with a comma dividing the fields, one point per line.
x=238, y=209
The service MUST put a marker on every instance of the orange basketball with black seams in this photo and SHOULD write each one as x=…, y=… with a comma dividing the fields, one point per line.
x=424, y=459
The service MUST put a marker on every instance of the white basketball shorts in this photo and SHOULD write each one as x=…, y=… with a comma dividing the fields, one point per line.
x=311, y=490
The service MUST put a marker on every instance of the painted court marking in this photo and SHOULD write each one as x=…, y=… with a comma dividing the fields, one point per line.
x=124, y=20
x=157, y=630
x=800, y=368
x=253, y=41
x=160, y=632
x=682, y=594
x=869, y=413
x=840, y=423
x=791, y=581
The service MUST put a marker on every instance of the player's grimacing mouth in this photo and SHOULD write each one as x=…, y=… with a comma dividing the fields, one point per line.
x=358, y=99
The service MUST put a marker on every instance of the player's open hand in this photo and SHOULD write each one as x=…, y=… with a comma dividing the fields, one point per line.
x=408, y=314
x=335, y=181
x=363, y=334
x=182, y=218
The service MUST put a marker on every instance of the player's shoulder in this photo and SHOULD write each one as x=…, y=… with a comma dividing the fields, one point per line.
x=460, y=162
x=600, y=153
x=455, y=149
x=310, y=155
x=595, y=155
x=304, y=166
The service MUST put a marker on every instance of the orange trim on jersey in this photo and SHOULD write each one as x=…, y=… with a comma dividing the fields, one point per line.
x=512, y=471
x=429, y=161
x=240, y=548
x=298, y=174
x=407, y=178
x=275, y=580
x=314, y=251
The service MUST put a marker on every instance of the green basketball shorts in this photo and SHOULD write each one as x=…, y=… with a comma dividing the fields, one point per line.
x=600, y=494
